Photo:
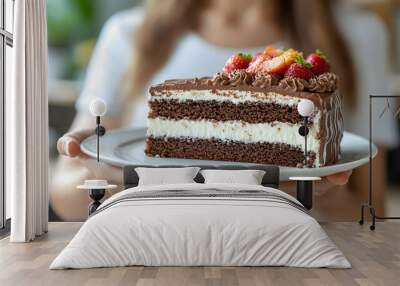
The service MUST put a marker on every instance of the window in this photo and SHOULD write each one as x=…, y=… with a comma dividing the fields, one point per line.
x=6, y=43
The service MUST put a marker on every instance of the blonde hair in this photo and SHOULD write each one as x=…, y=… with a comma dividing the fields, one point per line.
x=307, y=24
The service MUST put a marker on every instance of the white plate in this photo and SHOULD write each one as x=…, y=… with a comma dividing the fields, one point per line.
x=125, y=146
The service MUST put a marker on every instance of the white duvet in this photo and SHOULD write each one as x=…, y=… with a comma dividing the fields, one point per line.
x=185, y=231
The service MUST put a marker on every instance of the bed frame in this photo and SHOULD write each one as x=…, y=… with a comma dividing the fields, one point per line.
x=270, y=179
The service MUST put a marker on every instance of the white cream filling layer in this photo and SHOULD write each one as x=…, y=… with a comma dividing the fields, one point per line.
x=233, y=96
x=239, y=131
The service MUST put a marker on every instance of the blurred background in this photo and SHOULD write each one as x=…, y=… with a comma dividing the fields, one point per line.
x=373, y=26
x=73, y=28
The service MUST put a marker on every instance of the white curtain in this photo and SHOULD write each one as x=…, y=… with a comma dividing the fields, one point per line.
x=27, y=123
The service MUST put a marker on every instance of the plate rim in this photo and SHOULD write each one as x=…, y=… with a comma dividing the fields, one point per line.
x=285, y=172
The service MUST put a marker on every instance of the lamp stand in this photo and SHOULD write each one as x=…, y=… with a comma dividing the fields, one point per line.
x=99, y=131
x=303, y=131
x=305, y=141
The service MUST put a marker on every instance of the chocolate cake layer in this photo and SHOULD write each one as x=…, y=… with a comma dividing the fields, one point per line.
x=261, y=153
x=223, y=111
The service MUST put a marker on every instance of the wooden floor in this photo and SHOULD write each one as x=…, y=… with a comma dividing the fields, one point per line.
x=375, y=257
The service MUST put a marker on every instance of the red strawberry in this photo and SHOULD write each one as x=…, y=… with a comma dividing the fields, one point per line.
x=319, y=63
x=237, y=62
x=256, y=63
x=299, y=71
x=279, y=64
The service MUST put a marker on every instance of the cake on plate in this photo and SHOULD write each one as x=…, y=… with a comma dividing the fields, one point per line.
x=248, y=112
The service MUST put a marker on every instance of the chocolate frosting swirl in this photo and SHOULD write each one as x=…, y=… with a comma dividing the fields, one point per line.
x=240, y=77
x=326, y=82
x=265, y=80
x=220, y=78
x=293, y=84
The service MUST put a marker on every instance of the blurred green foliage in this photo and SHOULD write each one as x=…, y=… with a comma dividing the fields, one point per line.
x=70, y=21
x=73, y=26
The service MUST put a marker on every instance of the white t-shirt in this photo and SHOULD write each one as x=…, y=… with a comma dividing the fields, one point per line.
x=194, y=56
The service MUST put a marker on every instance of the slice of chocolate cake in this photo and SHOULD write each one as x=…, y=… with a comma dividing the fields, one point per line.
x=245, y=117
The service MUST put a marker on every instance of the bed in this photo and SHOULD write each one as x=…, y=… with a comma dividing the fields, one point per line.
x=201, y=224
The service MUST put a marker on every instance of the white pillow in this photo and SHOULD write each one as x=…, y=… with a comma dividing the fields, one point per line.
x=247, y=177
x=166, y=176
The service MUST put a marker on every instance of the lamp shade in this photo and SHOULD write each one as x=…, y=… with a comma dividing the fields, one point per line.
x=98, y=107
x=305, y=107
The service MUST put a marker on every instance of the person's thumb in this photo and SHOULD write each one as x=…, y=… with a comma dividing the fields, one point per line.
x=69, y=143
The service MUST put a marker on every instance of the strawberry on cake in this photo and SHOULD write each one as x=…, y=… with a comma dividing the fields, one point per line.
x=248, y=112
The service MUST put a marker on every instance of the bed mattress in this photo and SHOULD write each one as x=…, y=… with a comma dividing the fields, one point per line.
x=201, y=225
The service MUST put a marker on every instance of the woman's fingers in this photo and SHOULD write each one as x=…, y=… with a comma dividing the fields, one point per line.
x=339, y=179
x=69, y=144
